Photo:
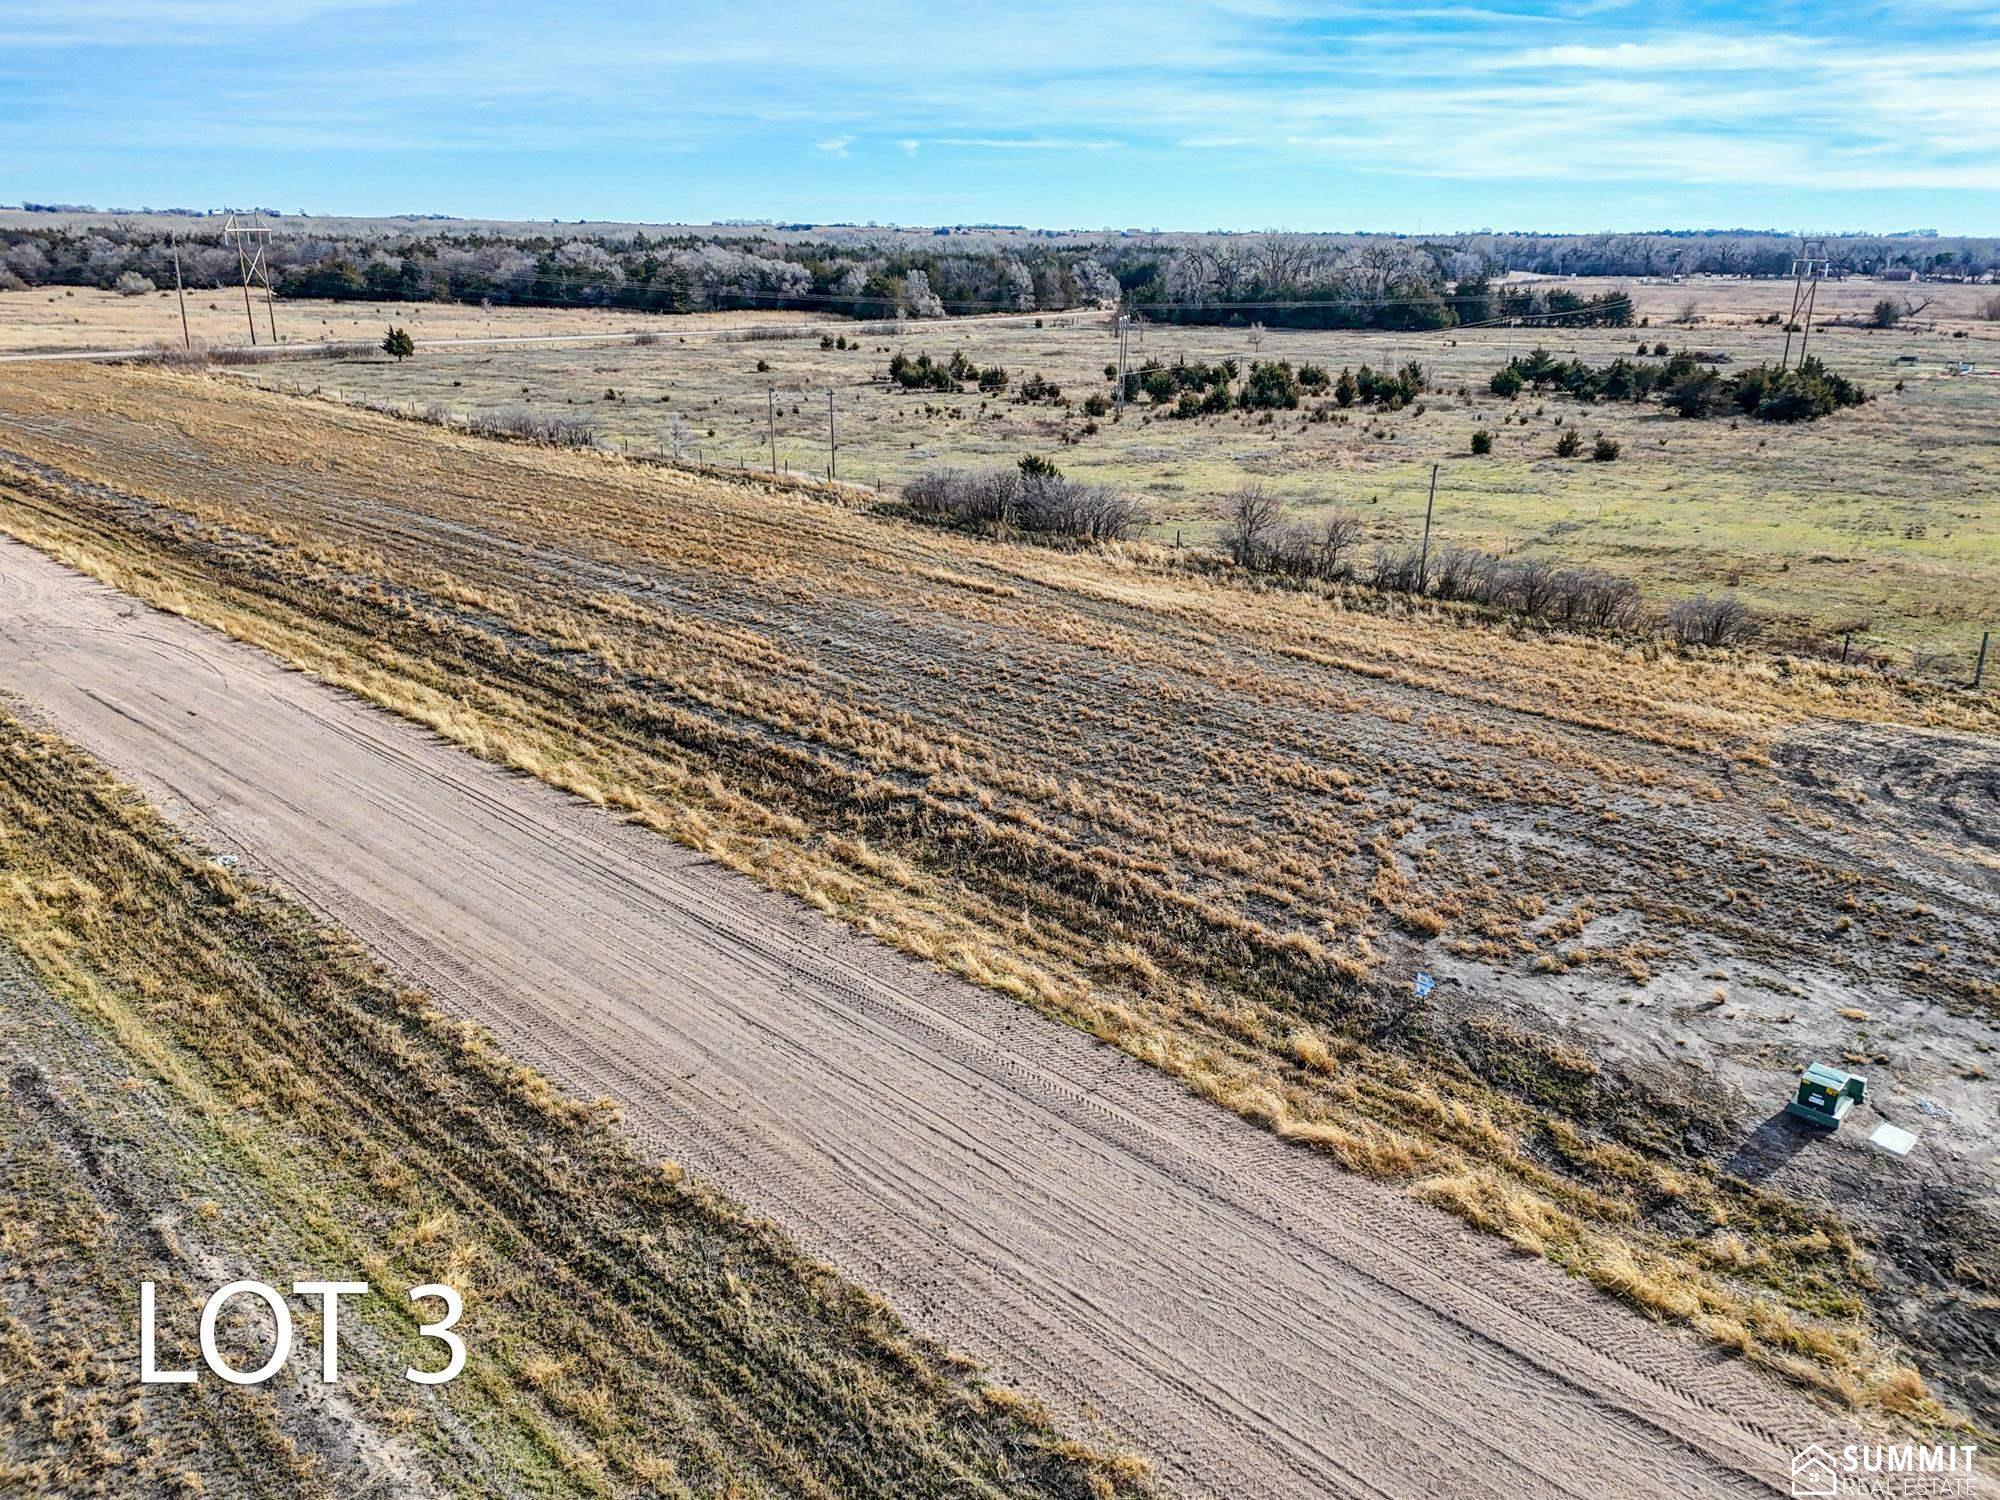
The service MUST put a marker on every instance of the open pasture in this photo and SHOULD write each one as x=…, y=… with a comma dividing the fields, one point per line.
x=1878, y=519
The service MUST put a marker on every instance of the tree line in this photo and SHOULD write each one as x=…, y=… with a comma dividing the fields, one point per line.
x=1279, y=279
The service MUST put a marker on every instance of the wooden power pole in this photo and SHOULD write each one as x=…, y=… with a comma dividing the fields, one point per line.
x=1424, y=555
x=180, y=291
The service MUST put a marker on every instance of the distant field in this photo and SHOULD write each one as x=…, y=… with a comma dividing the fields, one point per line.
x=52, y=318
x=1881, y=517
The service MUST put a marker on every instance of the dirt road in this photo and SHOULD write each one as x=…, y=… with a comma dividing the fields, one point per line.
x=1256, y=1321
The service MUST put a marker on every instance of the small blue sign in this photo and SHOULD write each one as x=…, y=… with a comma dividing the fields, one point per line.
x=1425, y=984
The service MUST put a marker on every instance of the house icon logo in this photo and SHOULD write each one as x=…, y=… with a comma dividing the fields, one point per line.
x=1813, y=1474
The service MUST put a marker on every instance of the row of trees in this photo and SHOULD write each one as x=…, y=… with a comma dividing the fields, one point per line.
x=667, y=273
x=926, y=374
x=1278, y=278
x=1687, y=383
x=1310, y=281
x=1204, y=389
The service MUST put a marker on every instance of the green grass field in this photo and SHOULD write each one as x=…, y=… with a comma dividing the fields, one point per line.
x=1879, y=517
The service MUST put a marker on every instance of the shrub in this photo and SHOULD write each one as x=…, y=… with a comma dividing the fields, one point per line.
x=1395, y=571
x=1605, y=450
x=921, y=373
x=545, y=429
x=1033, y=496
x=1482, y=442
x=1569, y=444
x=1272, y=384
x=1591, y=596
x=1531, y=587
x=1462, y=573
x=398, y=343
x=1693, y=395
x=1702, y=621
x=132, y=284
x=1506, y=382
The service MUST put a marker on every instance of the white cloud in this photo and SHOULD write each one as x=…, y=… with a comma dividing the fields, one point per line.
x=837, y=146
x=1026, y=143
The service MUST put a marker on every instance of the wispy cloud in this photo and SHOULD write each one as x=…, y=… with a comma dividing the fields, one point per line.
x=1024, y=143
x=1217, y=110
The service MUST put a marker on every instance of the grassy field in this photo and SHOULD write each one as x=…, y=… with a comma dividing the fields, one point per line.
x=1217, y=826
x=58, y=317
x=203, y=1084
x=1880, y=517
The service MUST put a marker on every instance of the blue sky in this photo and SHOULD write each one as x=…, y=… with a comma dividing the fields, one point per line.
x=1211, y=114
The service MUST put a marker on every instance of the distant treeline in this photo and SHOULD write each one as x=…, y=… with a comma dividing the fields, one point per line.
x=680, y=273
x=1276, y=279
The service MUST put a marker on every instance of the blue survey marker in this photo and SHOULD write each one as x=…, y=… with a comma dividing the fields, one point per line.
x=1425, y=984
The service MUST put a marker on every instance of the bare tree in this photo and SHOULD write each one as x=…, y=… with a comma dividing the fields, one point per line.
x=1702, y=621
x=1253, y=519
x=919, y=301
x=1283, y=260
x=1338, y=535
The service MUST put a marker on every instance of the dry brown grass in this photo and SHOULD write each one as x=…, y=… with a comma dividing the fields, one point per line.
x=201, y=1080
x=1216, y=826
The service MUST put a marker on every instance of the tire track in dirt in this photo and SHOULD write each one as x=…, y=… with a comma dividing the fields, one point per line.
x=1257, y=1321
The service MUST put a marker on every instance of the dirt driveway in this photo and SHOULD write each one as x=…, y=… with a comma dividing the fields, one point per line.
x=1258, y=1323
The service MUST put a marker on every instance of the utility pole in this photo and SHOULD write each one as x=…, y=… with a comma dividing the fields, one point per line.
x=244, y=267
x=771, y=408
x=1424, y=556
x=252, y=242
x=1121, y=365
x=174, y=243
x=1808, y=270
x=832, y=443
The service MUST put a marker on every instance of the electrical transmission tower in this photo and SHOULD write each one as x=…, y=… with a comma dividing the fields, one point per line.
x=1809, y=268
x=252, y=241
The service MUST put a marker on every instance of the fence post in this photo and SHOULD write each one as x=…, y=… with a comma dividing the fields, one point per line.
x=1979, y=672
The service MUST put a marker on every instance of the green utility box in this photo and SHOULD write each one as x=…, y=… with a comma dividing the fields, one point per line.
x=1826, y=1095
